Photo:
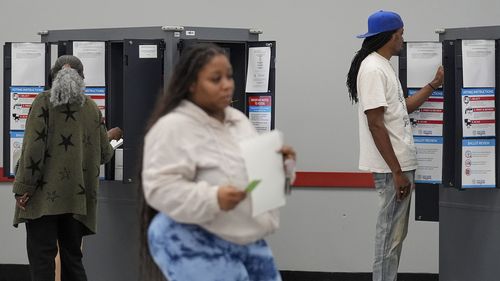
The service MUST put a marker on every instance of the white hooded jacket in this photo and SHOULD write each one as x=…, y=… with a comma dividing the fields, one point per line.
x=187, y=156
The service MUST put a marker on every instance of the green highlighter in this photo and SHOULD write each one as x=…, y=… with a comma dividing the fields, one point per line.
x=252, y=185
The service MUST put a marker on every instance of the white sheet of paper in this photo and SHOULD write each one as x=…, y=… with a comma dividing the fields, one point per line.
x=478, y=163
x=116, y=143
x=423, y=59
x=28, y=64
x=430, y=159
x=478, y=60
x=92, y=55
x=263, y=162
x=148, y=51
x=259, y=63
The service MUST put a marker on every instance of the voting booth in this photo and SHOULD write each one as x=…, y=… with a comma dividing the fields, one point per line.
x=418, y=63
x=456, y=137
x=125, y=70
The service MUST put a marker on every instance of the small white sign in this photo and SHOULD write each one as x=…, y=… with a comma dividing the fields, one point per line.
x=190, y=32
x=148, y=51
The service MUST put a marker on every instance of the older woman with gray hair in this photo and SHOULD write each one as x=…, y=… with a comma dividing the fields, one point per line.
x=56, y=182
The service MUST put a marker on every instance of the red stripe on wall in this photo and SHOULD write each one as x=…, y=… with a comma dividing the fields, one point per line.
x=334, y=179
x=4, y=179
x=310, y=179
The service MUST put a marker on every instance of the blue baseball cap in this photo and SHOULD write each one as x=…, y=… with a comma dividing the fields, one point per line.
x=382, y=21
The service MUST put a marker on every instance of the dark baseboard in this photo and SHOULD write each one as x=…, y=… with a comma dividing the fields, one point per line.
x=362, y=276
x=14, y=272
x=20, y=272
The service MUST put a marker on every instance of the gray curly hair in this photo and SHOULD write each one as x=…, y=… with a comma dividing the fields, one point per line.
x=68, y=85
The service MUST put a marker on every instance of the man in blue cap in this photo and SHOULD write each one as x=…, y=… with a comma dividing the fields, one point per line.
x=386, y=142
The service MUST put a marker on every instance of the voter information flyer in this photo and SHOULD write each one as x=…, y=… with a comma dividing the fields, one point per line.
x=92, y=54
x=259, y=63
x=427, y=120
x=430, y=159
x=16, y=145
x=478, y=112
x=423, y=60
x=98, y=95
x=260, y=112
x=21, y=99
x=478, y=63
x=28, y=64
x=478, y=163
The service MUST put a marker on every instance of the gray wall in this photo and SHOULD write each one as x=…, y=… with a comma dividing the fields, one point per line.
x=323, y=230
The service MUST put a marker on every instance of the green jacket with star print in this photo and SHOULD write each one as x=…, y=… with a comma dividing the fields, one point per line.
x=63, y=148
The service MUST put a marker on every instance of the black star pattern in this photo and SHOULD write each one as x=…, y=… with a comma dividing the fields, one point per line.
x=69, y=113
x=40, y=183
x=98, y=123
x=93, y=195
x=82, y=190
x=46, y=155
x=34, y=166
x=86, y=139
x=52, y=196
x=65, y=174
x=44, y=115
x=41, y=135
x=66, y=141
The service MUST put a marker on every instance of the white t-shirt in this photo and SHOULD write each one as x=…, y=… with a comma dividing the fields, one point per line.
x=378, y=86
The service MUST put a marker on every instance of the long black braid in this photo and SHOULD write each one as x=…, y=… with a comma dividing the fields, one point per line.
x=370, y=45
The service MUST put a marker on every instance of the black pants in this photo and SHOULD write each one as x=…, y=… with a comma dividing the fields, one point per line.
x=42, y=237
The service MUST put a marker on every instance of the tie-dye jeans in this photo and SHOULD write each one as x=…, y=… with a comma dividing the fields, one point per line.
x=392, y=227
x=187, y=252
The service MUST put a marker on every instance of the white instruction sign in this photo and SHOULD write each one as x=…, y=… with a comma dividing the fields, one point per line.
x=28, y=64
x=430, y=159
x=478, y=112
x=92, y=55
x=478, y=60
x=478, y=163
x=259, y=62
x=423, y=60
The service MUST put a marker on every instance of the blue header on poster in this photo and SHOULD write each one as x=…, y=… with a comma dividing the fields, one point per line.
x=478, y=91
x=436, y=93
x=259, y=109
x=478, y=186
x=476, y=142
x=428, y=140
x=428, y=182
x=36, y=89
x=16, y=134
x=95, y=91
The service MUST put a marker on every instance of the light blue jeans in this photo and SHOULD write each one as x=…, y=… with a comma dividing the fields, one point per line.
x=187, y=252
x=392, y=227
